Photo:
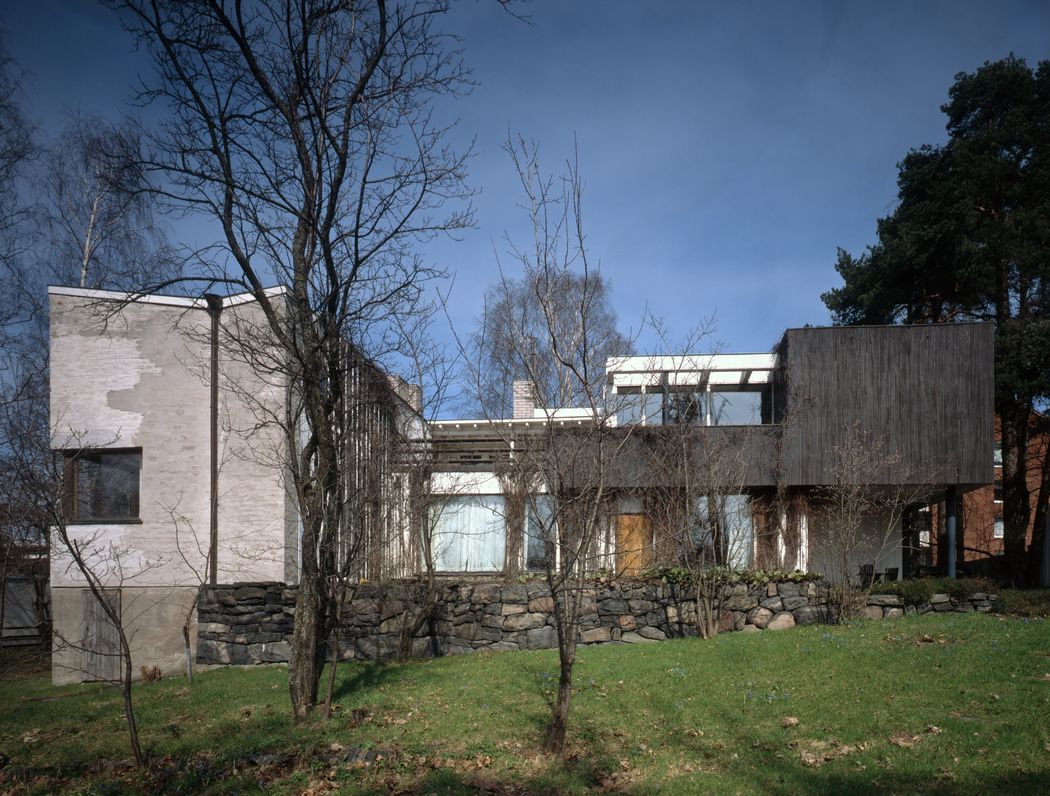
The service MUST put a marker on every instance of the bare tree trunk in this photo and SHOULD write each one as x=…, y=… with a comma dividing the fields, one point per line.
x=554, y=739
x=1016, y=507
x=333, y=662
x=129, y=707
x=306, y=660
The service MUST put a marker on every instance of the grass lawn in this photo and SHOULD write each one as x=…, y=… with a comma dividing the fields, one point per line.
x=956, y=703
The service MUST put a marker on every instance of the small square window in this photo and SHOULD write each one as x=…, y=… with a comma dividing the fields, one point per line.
x=102, y=485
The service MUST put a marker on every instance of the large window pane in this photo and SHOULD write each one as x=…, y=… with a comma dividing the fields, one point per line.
x=736, y=408
x=628, y=407
x=653, y=407
x=685, y=408
x=721, y=531
x=539, y=526
x=104, y=484
x=470, y=534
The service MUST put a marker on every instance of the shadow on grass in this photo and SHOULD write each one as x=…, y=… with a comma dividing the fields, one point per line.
x=360, y=676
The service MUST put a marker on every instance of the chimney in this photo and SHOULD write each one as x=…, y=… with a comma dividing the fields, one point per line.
x=524, y=399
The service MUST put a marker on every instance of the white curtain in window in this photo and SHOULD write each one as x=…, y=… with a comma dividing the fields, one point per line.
x=470, y=535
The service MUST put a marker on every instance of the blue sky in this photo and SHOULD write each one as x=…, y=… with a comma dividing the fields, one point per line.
x=727, y=148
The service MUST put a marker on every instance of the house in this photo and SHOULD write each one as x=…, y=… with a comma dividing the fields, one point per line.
x=904, y=411
x=176, y=466
x=176, y=459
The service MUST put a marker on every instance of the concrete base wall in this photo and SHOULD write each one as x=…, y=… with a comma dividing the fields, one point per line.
x=153, y=619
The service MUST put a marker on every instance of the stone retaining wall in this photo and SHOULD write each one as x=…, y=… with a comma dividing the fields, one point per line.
x=886, y=606
x=250, y=623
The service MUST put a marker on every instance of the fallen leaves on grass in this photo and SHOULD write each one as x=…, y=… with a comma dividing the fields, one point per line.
x=932, y=729
x=789, y=721
x=816, y=753
x=903, y=740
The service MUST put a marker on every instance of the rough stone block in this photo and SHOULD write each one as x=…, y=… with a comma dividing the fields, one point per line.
x=515, y=594
x=627, y=622
x=871, y=612
x=639, y=607
x=636, y=638
x=541, y=638
x=653, y=633
x=487, y=593
x=741, y=603
x=891, y=613
x=885, y=599
x=611, y=606
x=937, y=599
x=791, y=603
x=542, y=604
x=759, y=617
x=774, y=604
x=750, y=629
x=212, y=652
x=524, y=621
x=513, y=608
x=492, y=621
x=596, y=635
x=247, y=594
x=812, y=615
x=275, y=652
x=505, y=646
x=787, y=589
x=781, y=621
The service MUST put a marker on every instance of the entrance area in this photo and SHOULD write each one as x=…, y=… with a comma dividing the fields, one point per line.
x=634, y=544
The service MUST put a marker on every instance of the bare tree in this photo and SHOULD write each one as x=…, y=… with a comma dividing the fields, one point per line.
x=699, y=478
x=98, y=210
x=305, y=131
x=561, y=467
x=858, y=521
x=99, y=562
x=513, y=315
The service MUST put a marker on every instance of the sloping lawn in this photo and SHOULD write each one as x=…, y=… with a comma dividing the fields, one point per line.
x=931, y=704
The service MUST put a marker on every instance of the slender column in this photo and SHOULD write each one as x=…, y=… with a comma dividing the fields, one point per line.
x=214, y=303
x=950, y=509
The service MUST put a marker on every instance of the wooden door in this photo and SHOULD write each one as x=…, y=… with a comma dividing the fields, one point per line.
x=634, y=544
x=101, y=648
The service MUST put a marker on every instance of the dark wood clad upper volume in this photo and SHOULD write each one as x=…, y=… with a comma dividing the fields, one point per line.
x=921, y=395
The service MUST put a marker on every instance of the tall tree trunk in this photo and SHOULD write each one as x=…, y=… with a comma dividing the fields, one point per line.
x=308, y=638
x=129, y=707
x=1014, y=422
x=566, y=611
x=554, y=741
x=1042, y=506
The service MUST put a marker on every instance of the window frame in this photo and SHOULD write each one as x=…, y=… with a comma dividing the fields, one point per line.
x=70, y=501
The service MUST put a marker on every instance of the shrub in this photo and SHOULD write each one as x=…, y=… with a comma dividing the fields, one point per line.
x=1024, y=602
x=920, y=590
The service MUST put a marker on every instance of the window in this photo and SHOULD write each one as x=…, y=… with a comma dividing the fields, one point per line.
x=722, y=531
x=997, y=529
x=736, y=408
x=102, y=485
x=998, y=490
x=653, y=408
x=470, y=534
x=539, y=526
x=628, y=408
x=686, y=408
x=998, y=455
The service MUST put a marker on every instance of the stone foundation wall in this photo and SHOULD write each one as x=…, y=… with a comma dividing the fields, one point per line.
x=250, y=623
